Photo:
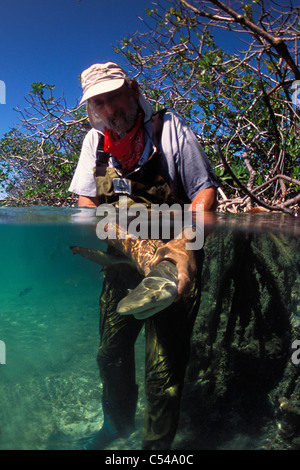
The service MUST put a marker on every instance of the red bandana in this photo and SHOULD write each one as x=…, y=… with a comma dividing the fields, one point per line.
x=129, y=148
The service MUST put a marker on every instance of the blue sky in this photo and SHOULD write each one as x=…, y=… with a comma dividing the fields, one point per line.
x=53, y=41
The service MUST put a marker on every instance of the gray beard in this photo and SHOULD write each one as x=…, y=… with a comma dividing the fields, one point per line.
x=125, y=121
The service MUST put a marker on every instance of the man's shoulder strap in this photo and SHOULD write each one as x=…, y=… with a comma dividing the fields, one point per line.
x=157, y=120
x=101, y=157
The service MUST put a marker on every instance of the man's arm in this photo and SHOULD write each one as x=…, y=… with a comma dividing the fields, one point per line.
x=84, y=201
x=207, y=197
x=175, y=249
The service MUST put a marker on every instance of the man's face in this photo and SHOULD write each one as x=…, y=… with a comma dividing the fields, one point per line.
x=118, y=109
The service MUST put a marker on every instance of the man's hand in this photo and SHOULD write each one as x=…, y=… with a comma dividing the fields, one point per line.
x=175, y=250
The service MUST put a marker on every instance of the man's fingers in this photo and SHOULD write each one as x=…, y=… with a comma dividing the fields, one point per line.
x=185, y=263
x=183, y=283
x=159, y=256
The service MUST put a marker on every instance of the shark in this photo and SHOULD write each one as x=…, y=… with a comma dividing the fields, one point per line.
x=156, y=291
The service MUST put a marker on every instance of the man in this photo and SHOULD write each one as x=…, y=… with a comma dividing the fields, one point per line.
x=173, y=169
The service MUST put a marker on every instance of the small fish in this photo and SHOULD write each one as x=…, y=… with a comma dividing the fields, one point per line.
x=25, y=291
x=155, y=292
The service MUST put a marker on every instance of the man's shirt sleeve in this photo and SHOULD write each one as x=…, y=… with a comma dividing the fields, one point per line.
x=188, y=165
x=83, y=182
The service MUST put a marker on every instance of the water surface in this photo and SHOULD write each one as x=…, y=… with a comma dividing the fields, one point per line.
x=49, y=387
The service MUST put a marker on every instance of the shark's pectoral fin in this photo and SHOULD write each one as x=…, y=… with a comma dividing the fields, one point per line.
x=100, y=257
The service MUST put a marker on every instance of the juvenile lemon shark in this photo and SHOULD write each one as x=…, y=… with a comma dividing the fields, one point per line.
x=155, y=292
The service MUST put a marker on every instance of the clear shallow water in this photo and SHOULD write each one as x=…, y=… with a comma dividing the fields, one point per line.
x=49, y=387
x=49, y=326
